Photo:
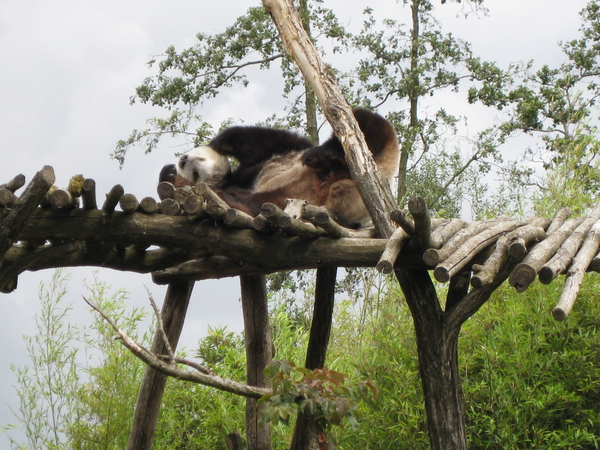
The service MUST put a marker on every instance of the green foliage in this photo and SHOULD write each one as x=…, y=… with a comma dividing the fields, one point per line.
x=560, y=105
x=322, y=393
x=221, y=349
x=79, y=389
x=104, y=403
x=46, y=386
x=529, y=381
x=195, y=416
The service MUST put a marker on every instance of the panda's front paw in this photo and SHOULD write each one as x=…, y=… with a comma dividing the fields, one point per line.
x=168, y=173
x=319, y=158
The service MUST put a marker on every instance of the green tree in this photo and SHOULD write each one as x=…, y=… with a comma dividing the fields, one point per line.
x=46, y=386
x=560, y=106
x=393, y=66
x=102, y=409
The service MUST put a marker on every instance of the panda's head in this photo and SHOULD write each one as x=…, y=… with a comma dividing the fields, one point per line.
x=204, y=164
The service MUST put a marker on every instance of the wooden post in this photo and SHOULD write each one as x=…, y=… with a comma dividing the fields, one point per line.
x=153, y=383
x=259, y=352
x=308, y=435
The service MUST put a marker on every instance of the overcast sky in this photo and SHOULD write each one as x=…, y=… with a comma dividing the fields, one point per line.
x=69, y=68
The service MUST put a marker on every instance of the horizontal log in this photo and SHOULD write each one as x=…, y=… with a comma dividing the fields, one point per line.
x=575, y=273
x=169, y=207
x=462, y=256
x=559, y=262
x=525, y=272
x=148, y=205
x=63, y=198
x=19, y=259
x=433, y=256
x=129, y=203
x=269, y=253
x=165, y=190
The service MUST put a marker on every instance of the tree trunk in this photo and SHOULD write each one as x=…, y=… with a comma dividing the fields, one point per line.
x=413, y=96
x=259, y=352
x=153, y=383
x=437, y=346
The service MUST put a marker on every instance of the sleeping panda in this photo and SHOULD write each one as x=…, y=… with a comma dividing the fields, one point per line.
x=277, y=164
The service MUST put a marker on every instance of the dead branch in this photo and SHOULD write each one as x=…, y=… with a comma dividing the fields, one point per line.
x=161, y=328
x=171, y=369
x=405, y=222
x=392, y=250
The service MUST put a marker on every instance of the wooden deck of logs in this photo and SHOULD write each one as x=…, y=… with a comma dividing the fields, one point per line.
x=204, y=242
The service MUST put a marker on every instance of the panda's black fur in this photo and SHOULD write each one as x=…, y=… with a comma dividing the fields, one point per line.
x=276, y=164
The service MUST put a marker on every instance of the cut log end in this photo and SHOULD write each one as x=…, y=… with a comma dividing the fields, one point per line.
x=547, y=275
x=522, y=276
x=442, y=274
x=559, y=314
x=431, y=257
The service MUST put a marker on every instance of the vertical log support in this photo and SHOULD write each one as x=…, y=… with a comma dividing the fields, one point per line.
x=153, y=383
x=259, y=352
x=308, y=435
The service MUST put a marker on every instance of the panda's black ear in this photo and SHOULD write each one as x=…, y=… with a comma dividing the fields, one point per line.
x=168, y=173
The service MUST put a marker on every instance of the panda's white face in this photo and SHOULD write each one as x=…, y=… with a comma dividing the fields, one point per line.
x=204, y=164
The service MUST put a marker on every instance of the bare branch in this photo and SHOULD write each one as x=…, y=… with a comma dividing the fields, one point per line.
x=171, y=369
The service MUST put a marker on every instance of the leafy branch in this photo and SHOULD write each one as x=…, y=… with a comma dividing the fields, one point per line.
x=322, y=393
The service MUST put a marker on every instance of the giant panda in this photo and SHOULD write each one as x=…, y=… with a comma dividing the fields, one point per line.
x=277, y=164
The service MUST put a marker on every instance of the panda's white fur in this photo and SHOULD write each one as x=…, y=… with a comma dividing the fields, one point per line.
x=204, y=164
